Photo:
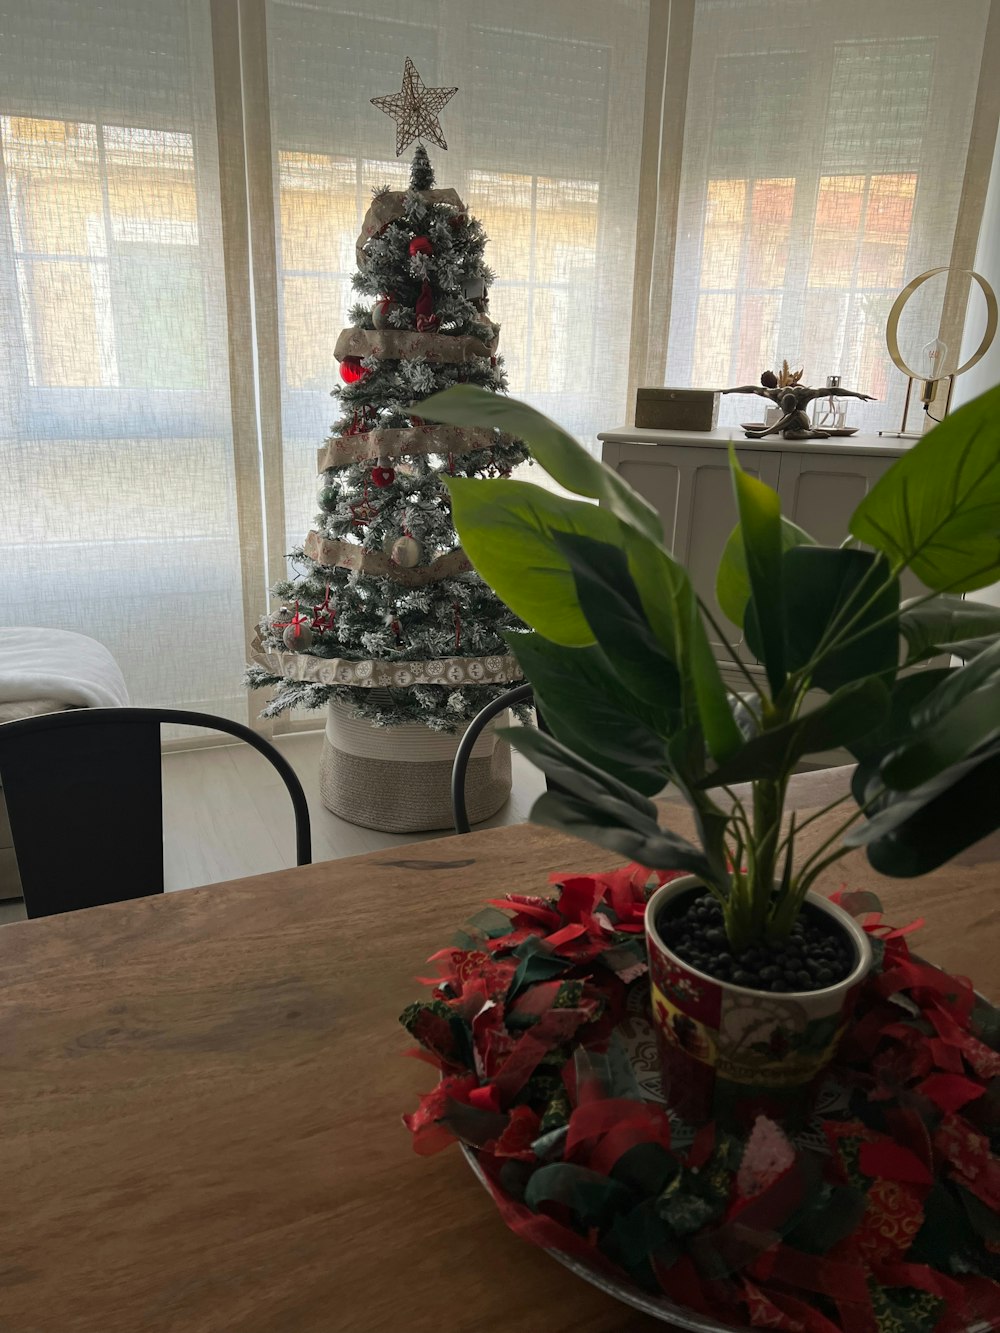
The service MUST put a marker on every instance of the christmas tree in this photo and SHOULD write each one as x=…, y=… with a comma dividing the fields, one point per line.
x=386, y=614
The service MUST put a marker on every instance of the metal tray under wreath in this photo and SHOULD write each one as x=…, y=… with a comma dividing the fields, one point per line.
x=636, y=1031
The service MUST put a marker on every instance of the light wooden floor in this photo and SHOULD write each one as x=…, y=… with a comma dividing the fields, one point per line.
x=226, y=814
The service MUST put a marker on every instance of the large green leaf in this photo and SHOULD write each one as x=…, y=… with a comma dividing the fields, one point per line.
x=871, y=748
x=896, y=726
x=850, y=712
x=969, y=726
x=944, y=623
x=937, y=509
x=953, y=721
x=760, y=522
x=586, y=707
x=579, y=777
x=613, y=609
x=560, y=455
x=824, y=583
x=956, y=686
x=914, y=832
x=594, y=805
x=967, y=649
x=655, y=848
x=671, y=606
x=686, y=751
x=508, y=531
x=732, y=581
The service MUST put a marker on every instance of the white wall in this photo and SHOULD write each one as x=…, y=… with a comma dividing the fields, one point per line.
x=987, y=373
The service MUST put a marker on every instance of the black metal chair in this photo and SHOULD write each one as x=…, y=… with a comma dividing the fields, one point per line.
x=84, y=797
x=521, y=694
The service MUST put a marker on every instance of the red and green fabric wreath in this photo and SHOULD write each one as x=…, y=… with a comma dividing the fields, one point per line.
x=895, y=1227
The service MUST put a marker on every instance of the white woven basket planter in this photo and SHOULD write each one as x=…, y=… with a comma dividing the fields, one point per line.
x=398, y=779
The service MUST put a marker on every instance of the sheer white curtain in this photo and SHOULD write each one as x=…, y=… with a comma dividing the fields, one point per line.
x=824, y=155
x=116, y=460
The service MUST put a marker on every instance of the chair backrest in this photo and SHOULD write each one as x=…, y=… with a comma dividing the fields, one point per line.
x=521, y=694
x=85, y=802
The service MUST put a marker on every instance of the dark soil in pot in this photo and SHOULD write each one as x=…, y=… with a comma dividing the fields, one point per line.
x=817, y=954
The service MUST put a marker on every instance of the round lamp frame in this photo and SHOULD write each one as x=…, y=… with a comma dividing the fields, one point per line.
x=892, y=342
x=892, y=326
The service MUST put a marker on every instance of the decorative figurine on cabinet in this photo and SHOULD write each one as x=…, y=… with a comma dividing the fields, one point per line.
x=785, y=391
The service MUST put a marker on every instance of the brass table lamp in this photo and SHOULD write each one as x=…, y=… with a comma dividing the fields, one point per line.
x=935, y=352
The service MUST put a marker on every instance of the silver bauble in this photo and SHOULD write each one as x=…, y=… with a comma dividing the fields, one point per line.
x=406, y=552
x=381, y=312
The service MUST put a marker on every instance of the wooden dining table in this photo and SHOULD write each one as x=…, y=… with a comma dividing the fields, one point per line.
x=201, y=1097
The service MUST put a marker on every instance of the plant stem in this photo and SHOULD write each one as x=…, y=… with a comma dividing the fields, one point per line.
x=754, y=685
x=768, y=801
x=839, y=832
x=739, y=810
x=817, y=814
x=890, y=618
x=785, y=889
x=831, y=640
x=806, y=881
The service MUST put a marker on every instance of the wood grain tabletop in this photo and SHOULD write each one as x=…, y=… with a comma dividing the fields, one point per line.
x=200, y=1100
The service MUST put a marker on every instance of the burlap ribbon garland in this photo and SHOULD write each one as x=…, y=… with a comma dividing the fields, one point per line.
x=409, y=345
x=369, y=674
x=384, y=442
x=337, y=554
x=389, y=207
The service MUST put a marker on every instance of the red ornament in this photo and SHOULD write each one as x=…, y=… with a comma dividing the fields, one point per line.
x=364, y=513
x=351, y=370
x=420, y=245
x=383, y=476
x=323, y=615
x=426, y=318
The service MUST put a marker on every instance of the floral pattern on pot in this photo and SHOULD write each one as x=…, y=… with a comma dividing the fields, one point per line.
x=733, y=1053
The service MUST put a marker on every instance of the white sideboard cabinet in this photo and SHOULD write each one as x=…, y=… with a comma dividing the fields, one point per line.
x=686, y=477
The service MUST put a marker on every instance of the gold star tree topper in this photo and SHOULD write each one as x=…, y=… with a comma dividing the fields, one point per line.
x=415, y=109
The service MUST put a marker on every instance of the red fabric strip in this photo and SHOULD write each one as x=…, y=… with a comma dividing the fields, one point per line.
x=889, y=1161
x=950, y=1092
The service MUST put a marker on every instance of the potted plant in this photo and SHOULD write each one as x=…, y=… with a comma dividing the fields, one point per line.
x=752, y=974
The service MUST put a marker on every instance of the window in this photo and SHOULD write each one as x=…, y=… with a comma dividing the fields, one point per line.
x=99, y=215
x=543, y=249
x=116, y=438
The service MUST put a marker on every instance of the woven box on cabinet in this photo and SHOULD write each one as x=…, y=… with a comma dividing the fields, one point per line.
x=398, y=779
x=676, y=409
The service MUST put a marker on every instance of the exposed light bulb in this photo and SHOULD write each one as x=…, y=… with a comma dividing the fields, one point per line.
x=933, y=355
